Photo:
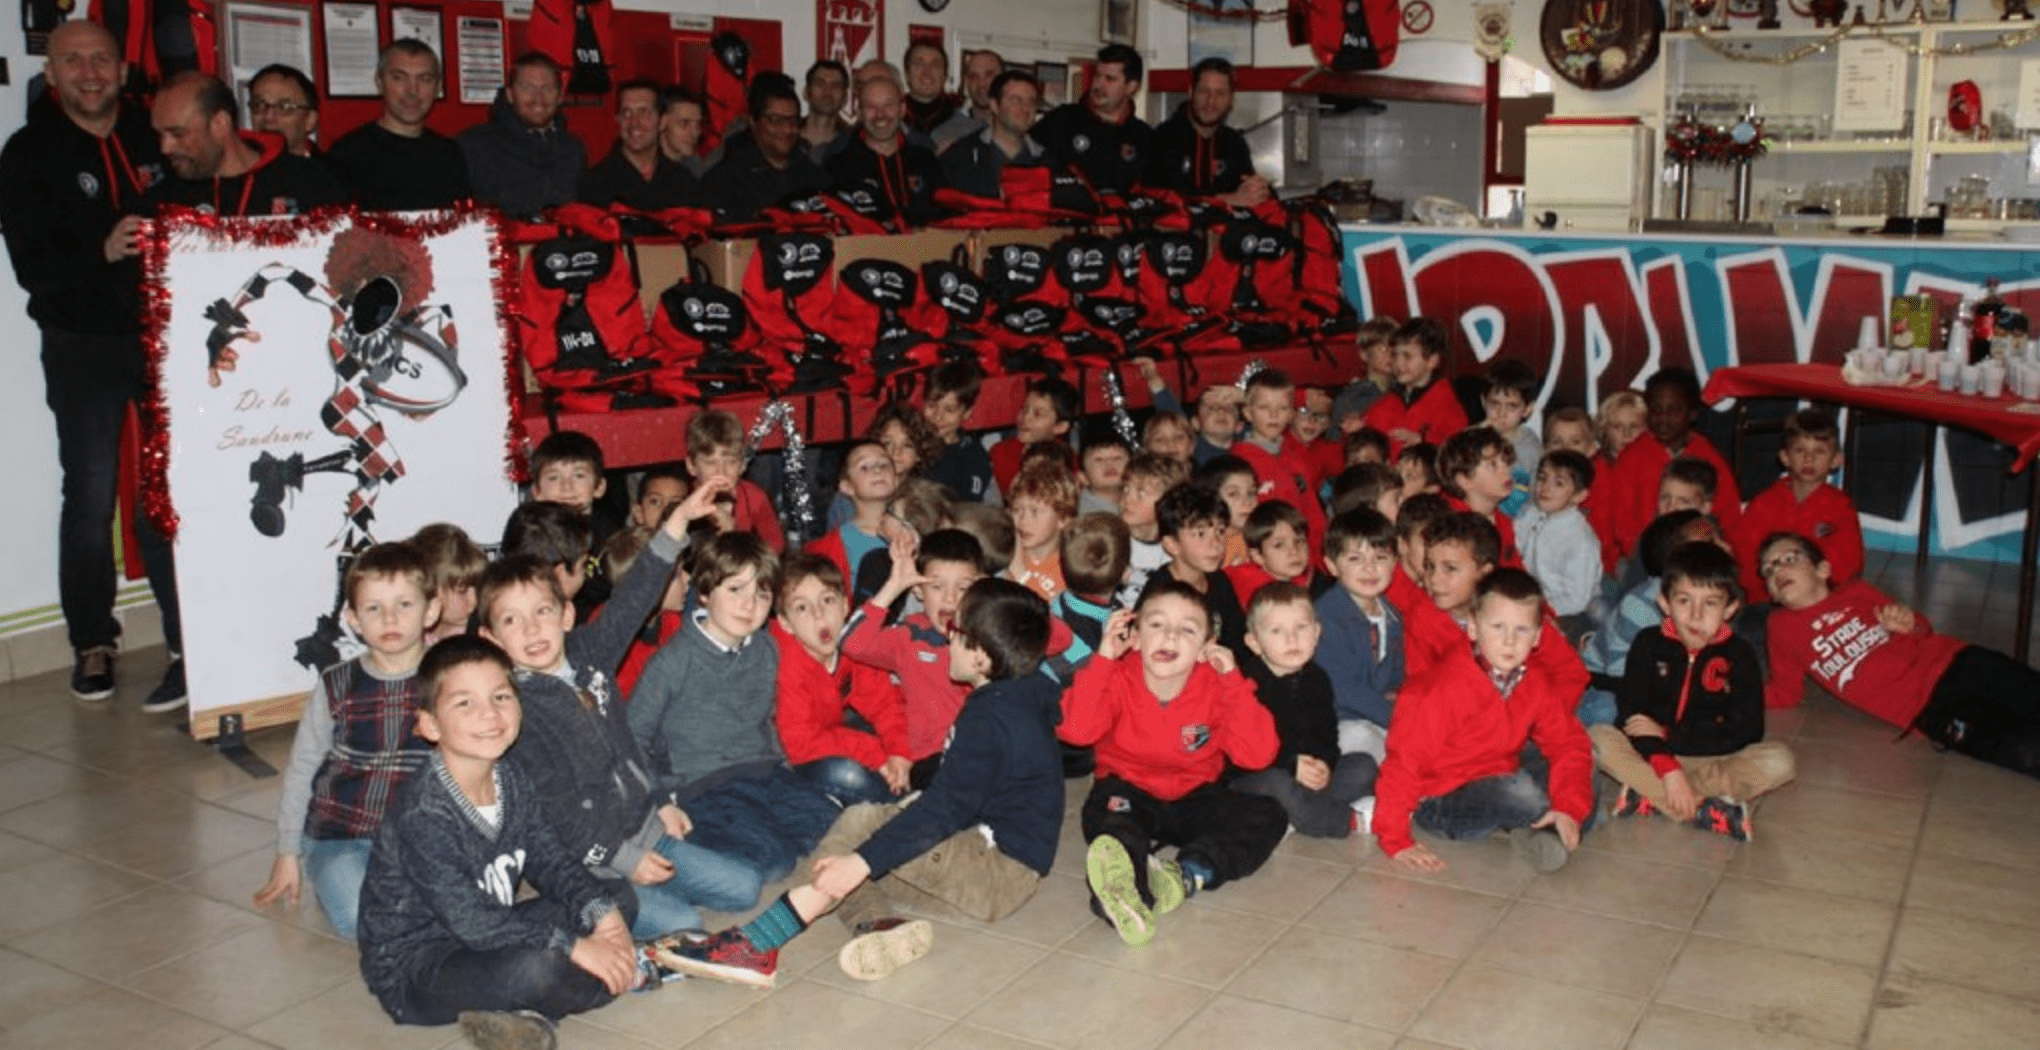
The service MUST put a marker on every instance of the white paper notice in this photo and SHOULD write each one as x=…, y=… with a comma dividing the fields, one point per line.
x=2028, y=115
x=481, y=59
x=351, y=44
x=1870, y=86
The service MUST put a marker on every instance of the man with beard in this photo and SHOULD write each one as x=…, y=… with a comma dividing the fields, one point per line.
x=973, y=165
x=766, y=166
x=523, y=159
x=880, y=161
x=929, y=110
x=222, y=172
x=1194, y=153
x=636, y=174
x=397, y=163
x=828, y=88
x=980, y=67
x=67, y=178
x=1100, y=135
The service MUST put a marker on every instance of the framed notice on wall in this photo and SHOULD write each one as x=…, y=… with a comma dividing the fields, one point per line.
x=850, y=31
x=259, y=35
x=353, y=38
x=480, y=51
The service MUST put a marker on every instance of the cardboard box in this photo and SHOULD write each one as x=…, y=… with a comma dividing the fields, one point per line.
x=727, y=260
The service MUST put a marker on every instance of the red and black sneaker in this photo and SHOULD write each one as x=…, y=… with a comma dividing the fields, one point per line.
x=1723, y=817
x=1632, y=803
x=727, y=955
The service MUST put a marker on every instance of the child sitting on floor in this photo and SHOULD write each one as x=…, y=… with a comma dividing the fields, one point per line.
x=842, y=723
x=1317, y=785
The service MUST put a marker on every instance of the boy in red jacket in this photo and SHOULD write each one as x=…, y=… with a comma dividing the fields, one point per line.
x=1476, y=468
x=938, y=570
x=1671, y=406
x=1803, y=502
x=1423, y=410
x=843, y=724
x=1882, y=658
x=1456, y=764
x=1283, y=469
x=1460, y=552
x=1276, y=550
x=1166, y=710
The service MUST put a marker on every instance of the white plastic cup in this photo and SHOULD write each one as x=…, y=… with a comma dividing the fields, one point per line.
x=1950, y=375
x=1916, y=361
x=1895, y=365
x=1869, y=332
x=1972, y=377
x=1992, y=380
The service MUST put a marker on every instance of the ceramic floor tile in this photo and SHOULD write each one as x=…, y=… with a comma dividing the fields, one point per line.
x=964, y=967
x=1885, y=767
x=1660, y=840
x=1976, y=953
x=67, y=820
x=1198, y=944
x=1991, y=835
x=173, y=848
x=134, y=933
x=57, y=889
x=1077, y=1004
x=1484, y=867
x=1975, y=889
x=807, y=1016
x=1572, y=947
x=237, y=1042
x=677, y=1014
x=1790, y=919
x=1061, y=907
x=1626, y=888
x=1819, y=807
x=111, y=1018
x=1403, y=913
x=1229, y=1023
x=580, y=1035
x=1845, y=865
x=32, y=778
x=233, y=882
x=31, y=987
x=971, y=1037
x=1770, y=990
x=1284, y=889
x=248, y=977
x=1980, y=785
x=1488, y=1009
x=1913, y=1014
x=347, y=1016
x=1344, y=979
x=1671, y=1028
x=18, y=852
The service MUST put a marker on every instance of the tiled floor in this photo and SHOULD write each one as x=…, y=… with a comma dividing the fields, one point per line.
x=1889, y=901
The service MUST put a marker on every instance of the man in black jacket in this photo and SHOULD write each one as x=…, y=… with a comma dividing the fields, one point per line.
x=220, y=171
x=1100, y=135
x=766, y=167
x=523, y=159
x=397, y=163
x=1196, y=154
x=636, y=174
x=71, y=182
x=899, y=175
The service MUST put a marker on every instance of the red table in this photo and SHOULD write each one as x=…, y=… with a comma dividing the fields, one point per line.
x=2008, y=420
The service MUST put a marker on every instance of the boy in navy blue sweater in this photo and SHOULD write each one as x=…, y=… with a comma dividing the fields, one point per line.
x=978, y=841
x=1363, y=630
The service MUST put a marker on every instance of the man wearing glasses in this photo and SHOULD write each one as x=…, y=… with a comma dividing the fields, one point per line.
x=283, y=101
x=769, y=167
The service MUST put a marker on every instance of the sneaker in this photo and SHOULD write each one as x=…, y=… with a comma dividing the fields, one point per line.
x=884, y=945
x=1723, y=817
x=724, y=956
x=1165, y=885
x=1539, y=848
x=1363, y=815
x=92, y=674
x=169, y=693
x=1110, y=872
x=506, y=1030
x=1631, y=803
x=651, y=975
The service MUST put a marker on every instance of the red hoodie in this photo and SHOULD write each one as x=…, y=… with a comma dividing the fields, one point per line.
x=1435, y=415
x=1632, y=492
x=1452, y=727
x=812, y=700
x=1167, y=750
x=1826, y=516
x=1839, y=642
x=1431, y=636
x=1290, y=476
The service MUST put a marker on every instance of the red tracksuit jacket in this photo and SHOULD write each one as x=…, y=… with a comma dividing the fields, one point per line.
x=1632, y=491
x=1826, y=517
x=812, y=700
x=1167, y=750
x=1291, y=476
x=1452, y=727
x=1435, y=414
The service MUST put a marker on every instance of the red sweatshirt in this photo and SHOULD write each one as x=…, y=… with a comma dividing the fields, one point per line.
x=1839, y=642
x=1826, y=516
x=754, y=513
x=1291, y=476
x=918, y=654
x=1167, y=750
x=1452, y=727
x=1512, y=556
x=641, y=652
x=1632, y=492
x=812, y=700
x=1247, y=577
x=1404, y=594
x=1431, y=636
x=1006, y=463
x=1435, y=414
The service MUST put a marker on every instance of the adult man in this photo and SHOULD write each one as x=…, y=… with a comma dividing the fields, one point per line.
x=66, y=179
x=636, y=173
x=828, y=87
x=879, y=160
x=1100, y=135
x=771, y=166
x=979, y=69
x=523, y=159
x=397, y=163
x=929, y=109
x=680, y=117
x=217, y=170
x=1195, y=153
x=282, y=100
x=973, y=165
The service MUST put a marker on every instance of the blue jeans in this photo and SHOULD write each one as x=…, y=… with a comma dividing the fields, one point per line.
x=336, y=868
x=847, y=780
x=1597, y=708
x=700, y=877
x=1480, y=808
x=89, y=382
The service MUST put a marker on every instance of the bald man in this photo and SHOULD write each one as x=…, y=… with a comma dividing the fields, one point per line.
x=217, y=169
x=901, y=176
x=71, y=181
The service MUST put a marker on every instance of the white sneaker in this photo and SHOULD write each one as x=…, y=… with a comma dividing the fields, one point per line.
x=1363, y=815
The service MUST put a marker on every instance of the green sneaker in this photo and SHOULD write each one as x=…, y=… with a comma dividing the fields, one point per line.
x=1165, y=885
x=1110, y=872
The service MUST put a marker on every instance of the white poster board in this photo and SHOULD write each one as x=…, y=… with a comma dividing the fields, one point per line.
x=1870, y=86
x=481, y=59
x=372, y=404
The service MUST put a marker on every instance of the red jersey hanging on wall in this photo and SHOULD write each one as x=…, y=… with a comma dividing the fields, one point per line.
x=576, y=34
x=1347, y=36
x=161, y=37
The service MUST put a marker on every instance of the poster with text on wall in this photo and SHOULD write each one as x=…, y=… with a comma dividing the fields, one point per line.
x=328, y=385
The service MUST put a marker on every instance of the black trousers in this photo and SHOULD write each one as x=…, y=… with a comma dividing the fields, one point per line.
x=1231, y=833
x=503, y=979
x=1987, y=706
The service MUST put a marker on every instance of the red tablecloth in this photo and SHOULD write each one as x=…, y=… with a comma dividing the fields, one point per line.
x=2008, y=419
x=656, y=435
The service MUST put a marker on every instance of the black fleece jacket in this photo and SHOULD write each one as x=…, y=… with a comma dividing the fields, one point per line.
x=1711, y=702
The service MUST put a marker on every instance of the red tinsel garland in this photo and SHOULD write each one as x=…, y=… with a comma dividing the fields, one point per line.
x=1688, y=142
x=154, y=244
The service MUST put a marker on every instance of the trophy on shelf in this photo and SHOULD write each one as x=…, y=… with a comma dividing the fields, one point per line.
x=2017, y=9
x=1767, y=14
